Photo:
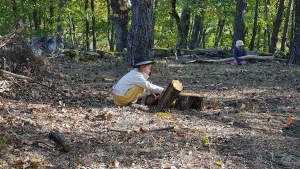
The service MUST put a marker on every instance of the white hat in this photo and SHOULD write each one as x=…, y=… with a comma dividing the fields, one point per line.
x=239, y=43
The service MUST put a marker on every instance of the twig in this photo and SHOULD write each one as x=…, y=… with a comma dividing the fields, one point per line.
x=116, y=130
x=29, y=78
x=15, y=75
x=162, y=129
x=128, y=131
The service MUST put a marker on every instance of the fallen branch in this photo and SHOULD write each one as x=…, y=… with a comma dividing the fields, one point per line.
x=153, y=130
x=60, y=140
x=116, y=130
x=162, y=129
x=45, y=142
x=231, y=59
x=28, y=78
x=15, y=75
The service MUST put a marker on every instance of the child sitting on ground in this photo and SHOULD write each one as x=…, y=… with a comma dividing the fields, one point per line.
x=237, y=53
x=133, y=85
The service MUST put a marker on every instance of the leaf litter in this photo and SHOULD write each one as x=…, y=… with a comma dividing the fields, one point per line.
x=250, y=118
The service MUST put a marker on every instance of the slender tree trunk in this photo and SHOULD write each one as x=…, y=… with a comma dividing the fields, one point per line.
x=185, y=25
x=295, y=54
x=74, y=32
x=71, y=30
x=276, y=27
x=175, y=15
x=110, y=30
x=59, y=29
x=254, y=26
x=120, y=19
x=87, y=26
x=221, y=24
x=268, y=26
x=51, y=11
x=14, y=8
x=198, y=25
x=140, y=36
x=35, y=17
x=286, y=25
x=94, y=25
x=239, y=23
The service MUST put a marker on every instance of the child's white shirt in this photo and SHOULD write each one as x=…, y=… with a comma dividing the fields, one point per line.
x=132, y=78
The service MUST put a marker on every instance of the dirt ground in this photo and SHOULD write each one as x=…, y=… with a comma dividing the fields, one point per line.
x=250, y=118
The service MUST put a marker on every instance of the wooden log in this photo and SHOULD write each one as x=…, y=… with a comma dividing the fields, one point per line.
x=60, y=140
x=186, y=101
x=231, y=59
x=152, y=99
x=171, y=93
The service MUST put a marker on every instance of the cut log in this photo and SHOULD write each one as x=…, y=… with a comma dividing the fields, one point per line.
x=231, y=59
x=171, y=93
x=152, y=99
x=60, y=140
x=186, y=101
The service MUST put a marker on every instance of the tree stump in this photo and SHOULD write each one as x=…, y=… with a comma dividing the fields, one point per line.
x=186, y=101
x=171, y=93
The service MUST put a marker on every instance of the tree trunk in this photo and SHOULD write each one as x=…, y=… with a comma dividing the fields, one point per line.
x=87, y=26
x=185, y=26
x=221, y=24
x=286, y=25
x=254, y=26
x=175, y=15
x=120, y=19
x=239, y=24
x=268, y=25
x=295, y=54
x=276, y=27
x=141, y=33
x=59, y=29
x=195, y=38
x=110, y=30
x=36, y=21
x=94, y=26
x=71, y=30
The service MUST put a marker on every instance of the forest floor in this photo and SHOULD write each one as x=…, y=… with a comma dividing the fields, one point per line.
x=250, y=118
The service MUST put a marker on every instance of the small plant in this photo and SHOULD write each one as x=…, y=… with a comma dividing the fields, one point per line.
x=4, y=140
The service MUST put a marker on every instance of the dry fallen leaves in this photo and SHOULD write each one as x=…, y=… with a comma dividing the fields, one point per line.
x=289, y=120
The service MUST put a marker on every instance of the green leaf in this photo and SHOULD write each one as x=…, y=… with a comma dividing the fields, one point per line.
x=205, y=140
x=164, y=114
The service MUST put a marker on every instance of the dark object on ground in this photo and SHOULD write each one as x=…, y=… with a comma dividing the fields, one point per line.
x=60, y=140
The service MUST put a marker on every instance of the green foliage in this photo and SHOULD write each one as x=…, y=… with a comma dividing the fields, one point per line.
x=101, y=53
x=72, y=14
x=4, y=140
x=265, y=54
x=205, y=140
x=279, y=54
